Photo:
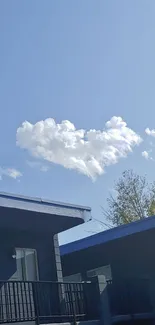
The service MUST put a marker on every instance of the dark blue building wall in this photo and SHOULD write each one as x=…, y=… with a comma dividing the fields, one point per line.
x=45, y=244
x=131, y=256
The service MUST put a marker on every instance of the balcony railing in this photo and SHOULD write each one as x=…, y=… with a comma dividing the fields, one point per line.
x=44, y=302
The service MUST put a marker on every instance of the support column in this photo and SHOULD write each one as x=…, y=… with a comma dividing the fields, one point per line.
x=103, y=299
x=58, y=267
x=57, y=278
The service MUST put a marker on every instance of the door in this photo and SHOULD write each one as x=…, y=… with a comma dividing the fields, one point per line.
x=26, y=261
x=16, y=298
x=27, y=270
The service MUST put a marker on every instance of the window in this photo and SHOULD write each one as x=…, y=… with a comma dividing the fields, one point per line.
x=73, y=278
x=26, y=261
x=103, y=270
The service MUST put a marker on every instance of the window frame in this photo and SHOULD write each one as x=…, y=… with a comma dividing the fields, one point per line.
x=72, y=275
x=99, y=268
x=24, y=250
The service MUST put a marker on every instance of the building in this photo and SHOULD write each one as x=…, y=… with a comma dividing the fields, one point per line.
x=125, y=256
x=30, y=267
x=29, y=247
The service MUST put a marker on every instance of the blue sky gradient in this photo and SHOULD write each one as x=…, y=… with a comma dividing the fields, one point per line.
x=82, y=61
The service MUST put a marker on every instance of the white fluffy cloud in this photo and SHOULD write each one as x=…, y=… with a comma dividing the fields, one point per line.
x=88, y=152
x=10, y=172
x=146, y=155
x=150, y=132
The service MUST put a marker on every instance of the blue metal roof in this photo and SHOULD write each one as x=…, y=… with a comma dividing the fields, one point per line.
x=109, y=235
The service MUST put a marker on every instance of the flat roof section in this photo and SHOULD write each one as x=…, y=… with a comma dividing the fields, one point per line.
x=73, y=214
x=109, y=235
x=43, y=201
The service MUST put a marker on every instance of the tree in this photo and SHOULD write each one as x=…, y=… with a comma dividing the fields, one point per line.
x=134, y=199
x=151, y=210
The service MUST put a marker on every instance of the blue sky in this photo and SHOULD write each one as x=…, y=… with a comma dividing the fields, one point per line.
x=81, y=61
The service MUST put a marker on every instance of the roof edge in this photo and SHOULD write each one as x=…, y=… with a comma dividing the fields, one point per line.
x=43, y=201
x=109, y=235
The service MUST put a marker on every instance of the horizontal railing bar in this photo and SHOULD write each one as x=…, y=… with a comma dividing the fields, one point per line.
x=50, y=282
x=70, y=315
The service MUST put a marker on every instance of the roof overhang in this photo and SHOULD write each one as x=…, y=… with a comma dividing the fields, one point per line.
x=24, y=212
x=106, y=236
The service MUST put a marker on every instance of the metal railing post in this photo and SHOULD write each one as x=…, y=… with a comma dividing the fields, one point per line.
x=14, y=299
x=36, y=301
x=73, y=305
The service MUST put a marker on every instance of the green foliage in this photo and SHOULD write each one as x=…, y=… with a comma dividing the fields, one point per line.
x=134, y=199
